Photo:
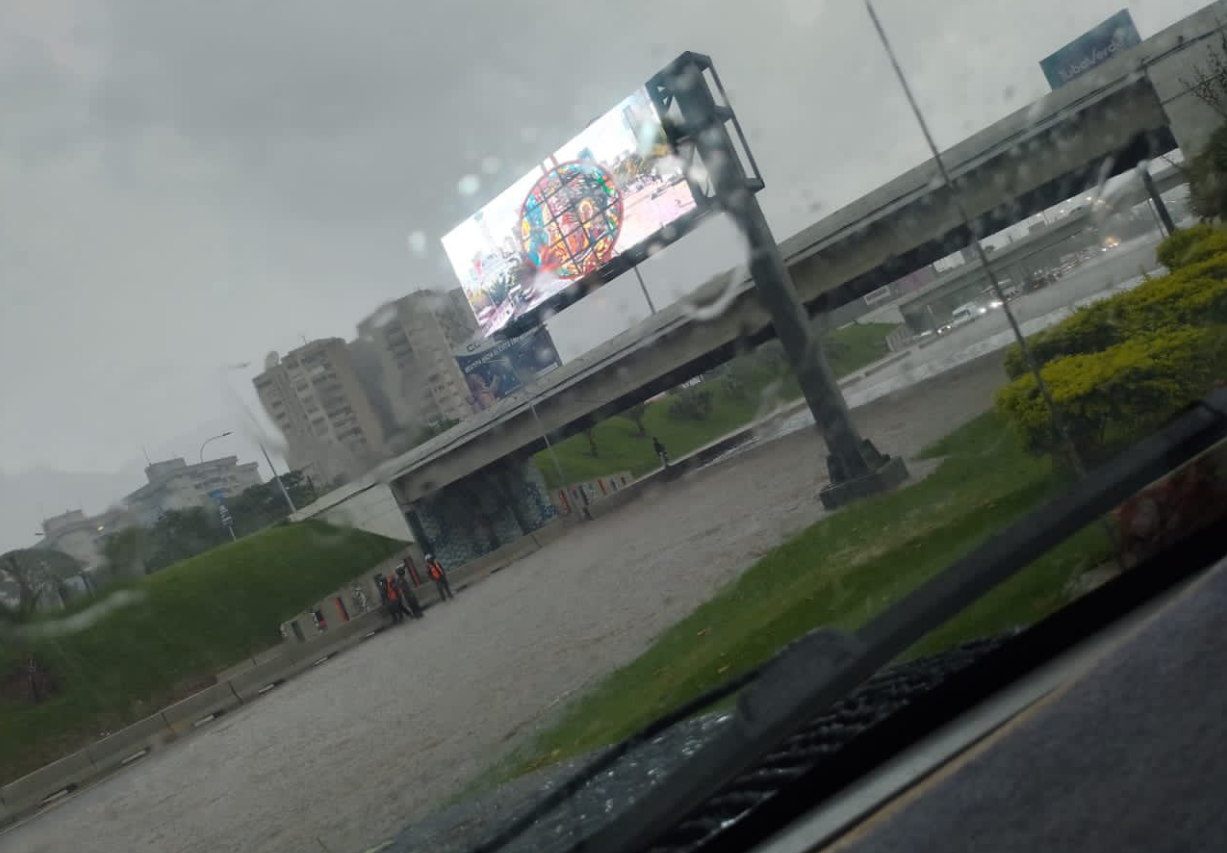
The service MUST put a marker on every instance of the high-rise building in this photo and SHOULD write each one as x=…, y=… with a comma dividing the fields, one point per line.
x=314, y=396
x=416, y=337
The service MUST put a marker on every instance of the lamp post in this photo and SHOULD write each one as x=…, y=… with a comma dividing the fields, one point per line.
x=280, y=485
x=211, y=438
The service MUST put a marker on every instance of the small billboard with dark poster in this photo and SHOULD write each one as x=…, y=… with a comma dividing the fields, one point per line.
x=495, y=368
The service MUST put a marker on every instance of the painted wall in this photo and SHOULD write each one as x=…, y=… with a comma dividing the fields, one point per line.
x=485, y=511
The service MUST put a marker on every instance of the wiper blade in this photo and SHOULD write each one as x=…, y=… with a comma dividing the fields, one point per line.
x=826, y=665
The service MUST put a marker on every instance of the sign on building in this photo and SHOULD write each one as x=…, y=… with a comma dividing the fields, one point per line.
x=1091, y=49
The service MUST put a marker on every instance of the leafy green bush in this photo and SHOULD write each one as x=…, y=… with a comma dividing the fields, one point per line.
x=691, y=404
x=1087, y=330
x=1175, y=251
x=1194, y=296
x=1113, y=397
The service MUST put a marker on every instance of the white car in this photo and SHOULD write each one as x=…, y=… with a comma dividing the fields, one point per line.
x=961, y=316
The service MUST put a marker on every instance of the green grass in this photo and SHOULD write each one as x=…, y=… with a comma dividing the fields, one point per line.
x=857, y=346
x=194, y=619
x=840, y=572
x=620, y=446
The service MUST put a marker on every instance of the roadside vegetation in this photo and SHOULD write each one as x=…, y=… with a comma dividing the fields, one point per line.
x=188, y=622
x=1117, y=369
x=729, y=398
x=841, y=571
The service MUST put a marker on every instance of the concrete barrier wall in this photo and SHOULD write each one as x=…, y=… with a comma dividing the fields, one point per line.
x=129, y=744
x=571, y=500
x=192, y=712
x=31, y=791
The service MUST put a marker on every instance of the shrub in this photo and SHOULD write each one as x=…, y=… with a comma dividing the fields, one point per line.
x=1111, y=398
x=1174, y=252
x=1087, y=330
x=1194, y=296
x=1173, y=300
x=691, y=404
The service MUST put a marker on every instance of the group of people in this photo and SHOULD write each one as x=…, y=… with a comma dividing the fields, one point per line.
x=398, y=596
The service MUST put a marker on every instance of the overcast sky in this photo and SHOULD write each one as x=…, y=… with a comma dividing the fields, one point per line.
x=189, y=185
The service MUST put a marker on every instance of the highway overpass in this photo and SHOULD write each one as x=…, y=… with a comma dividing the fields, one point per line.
x=1011, y=261
x=1132, y=108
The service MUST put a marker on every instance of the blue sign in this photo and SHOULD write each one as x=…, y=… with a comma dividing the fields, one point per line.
x=1091, y=49
x=218, y=495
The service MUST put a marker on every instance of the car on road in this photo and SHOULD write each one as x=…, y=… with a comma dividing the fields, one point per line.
x=961, y=316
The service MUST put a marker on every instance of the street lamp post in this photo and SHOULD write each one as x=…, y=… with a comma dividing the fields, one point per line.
x=211, y=438
x=280, y=485
x=284, y=493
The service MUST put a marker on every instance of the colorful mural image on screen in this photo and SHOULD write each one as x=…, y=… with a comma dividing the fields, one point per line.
x=609, y=189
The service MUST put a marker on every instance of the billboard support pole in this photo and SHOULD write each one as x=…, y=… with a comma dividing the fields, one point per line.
x=532, y=407
x=855, y=466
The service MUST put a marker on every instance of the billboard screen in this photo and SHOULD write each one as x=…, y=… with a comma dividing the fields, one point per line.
x=497, y=368
x=1091, y=49
x=599, y=196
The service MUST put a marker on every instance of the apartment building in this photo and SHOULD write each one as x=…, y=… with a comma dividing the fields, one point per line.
x=82, y=536
x=415, y=337
x=175, y=485
x=172, y=484
x=314, y=396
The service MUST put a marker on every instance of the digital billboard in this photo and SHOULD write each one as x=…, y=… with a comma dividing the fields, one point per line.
x=602, y=195
x=1090, y=49
x=494, y=369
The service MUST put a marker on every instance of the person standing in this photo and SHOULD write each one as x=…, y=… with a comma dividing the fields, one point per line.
x=409, y=601
x=661, y=453
x=387, y=592
x=440, y=578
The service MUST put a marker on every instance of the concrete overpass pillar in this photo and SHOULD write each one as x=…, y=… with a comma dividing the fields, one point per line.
x=856, y=467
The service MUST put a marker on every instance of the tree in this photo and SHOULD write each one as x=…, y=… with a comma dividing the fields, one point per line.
x=691, y=404
x=184, y=533
x=590, y=434
x=1209, y=82
x=128, y=552
x=29, y=575
x=1207, y=170
x=438, y=427
x=1208, y=178
x=635, y=414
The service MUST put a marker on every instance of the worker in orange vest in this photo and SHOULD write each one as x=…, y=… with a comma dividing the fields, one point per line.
x=440, y=577
x=394, y=603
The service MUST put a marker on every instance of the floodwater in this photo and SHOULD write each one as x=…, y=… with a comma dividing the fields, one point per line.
x=342, y=756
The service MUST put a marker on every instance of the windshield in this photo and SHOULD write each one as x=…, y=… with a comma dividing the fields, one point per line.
x=404, y=406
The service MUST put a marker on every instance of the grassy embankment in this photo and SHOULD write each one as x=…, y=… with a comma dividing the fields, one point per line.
x=841, y=571
x=192, y=620
x=620, y=447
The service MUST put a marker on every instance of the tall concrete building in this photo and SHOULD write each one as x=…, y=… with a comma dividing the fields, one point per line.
x=314, y=396
x=174, y=484
x=81, y=536
x=416, y=337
